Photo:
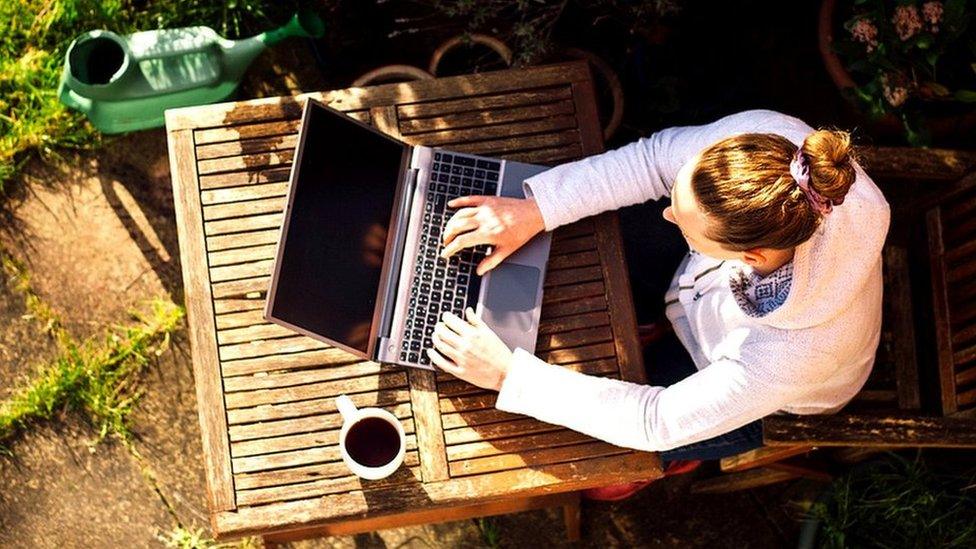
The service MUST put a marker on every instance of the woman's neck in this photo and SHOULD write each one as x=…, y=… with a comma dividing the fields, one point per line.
x=774, y=260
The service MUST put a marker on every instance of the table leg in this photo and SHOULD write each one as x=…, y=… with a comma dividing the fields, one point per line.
x=571, y=516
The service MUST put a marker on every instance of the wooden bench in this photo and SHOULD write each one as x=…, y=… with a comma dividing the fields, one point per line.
x=934, y=189
x=266, y=395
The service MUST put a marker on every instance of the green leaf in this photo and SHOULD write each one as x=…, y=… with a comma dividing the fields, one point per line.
x=932, y=58
x=966, y=96
x=923, y=41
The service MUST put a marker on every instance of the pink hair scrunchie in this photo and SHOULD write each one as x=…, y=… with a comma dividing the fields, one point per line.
x=800, y=170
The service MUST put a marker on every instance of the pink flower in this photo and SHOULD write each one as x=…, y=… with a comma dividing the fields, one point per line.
x=864, y=31
x=907, y=22
x=932, y=11
x=894, y=94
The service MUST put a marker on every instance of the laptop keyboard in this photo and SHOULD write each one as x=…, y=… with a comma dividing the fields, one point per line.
x=440, y=285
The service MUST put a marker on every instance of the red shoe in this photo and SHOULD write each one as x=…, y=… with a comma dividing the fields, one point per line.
x=618, y=492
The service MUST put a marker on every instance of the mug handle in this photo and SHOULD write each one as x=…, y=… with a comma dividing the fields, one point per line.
x=346, y=407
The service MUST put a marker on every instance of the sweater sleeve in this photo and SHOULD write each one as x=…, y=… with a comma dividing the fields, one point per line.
x=640, y=171
x=719, y=398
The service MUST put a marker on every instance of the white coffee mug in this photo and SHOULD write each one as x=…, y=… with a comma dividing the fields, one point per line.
x=371, y=441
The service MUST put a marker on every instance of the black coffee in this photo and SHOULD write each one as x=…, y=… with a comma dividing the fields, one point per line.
x=373, y=442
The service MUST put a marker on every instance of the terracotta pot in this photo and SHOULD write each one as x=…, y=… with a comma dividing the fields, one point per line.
x=888, y=125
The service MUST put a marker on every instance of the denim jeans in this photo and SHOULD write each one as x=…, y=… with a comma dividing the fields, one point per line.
x=654, y=248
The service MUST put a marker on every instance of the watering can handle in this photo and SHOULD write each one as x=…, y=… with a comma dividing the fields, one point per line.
x=197, y=39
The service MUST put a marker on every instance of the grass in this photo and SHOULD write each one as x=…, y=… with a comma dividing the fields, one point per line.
x=186, y=538
x=899, y=503
x=97, y=376
x=36, y=34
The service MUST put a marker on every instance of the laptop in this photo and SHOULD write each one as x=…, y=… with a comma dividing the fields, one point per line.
x=358, y=262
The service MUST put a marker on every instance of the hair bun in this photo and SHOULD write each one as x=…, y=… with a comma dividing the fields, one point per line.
x=831, y=159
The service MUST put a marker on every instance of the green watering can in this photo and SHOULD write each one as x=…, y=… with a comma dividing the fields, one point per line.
x=125, y=83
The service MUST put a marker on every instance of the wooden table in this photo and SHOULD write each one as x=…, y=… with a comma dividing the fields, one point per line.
x=266, y=395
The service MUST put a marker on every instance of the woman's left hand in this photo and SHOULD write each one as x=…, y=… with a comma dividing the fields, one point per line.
x=470, y=350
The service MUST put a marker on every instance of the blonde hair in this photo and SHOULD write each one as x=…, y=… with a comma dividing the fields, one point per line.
x=744, y=184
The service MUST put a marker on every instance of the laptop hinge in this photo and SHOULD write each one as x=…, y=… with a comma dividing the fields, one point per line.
x=396, y=262
x=385, y=350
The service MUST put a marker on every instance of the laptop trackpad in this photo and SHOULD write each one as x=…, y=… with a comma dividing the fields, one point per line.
x=510, y=304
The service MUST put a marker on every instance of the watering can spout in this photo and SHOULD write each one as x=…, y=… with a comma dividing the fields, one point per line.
x=305, y=24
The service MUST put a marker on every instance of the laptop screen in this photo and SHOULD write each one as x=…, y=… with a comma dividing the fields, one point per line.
x=342, y=200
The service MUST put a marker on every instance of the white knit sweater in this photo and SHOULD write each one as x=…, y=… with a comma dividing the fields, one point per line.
x=810, y=355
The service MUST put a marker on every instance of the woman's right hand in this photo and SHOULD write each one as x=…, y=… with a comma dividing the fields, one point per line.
x=505, y=224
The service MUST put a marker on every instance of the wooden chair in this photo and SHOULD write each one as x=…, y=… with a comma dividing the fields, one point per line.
x=893, y=410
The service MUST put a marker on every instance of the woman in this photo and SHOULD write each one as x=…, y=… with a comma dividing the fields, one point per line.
x=776, y=300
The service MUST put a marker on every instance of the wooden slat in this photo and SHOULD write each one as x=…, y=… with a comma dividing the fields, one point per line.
x=966, y=377
x=574, y=292
x=249, y=131
x=474, y=433
x=243, y=240
x=306, y=473
x=322, y=487
x=200, y=316
x=247, y=146
x=245, y=177
x=250, y=223
x=307, y=424
x=532, y=458
x=430, y=431
x=860, y=430
x=244, y=209
x=246, y=162
x=484, y=118
x=940, y=306
x=505, y=147
x=919, y=164
x=253, y=333
x=255, y=349
x=450, y=386
x=552, y=311
x=467, y=403
x=550, y=156
x=761, y=456
x=579, y=354
x=296, y=458
x=966, y=399
x=241, y=255
x=296, y=441
x=246, y=303
x=898, y=298
x=575, y=244
x=241, y=271
x=240, y=319
x=302, y=408
x=753, y=478
x=574, y=260
x=391, y=380
x=576, y=338
x=574, y=322
x=301, y=377
x=562, y=277
x=576, y=229
x=455, y=138
x=483, y=102
x=515, y=444
x=330, y=356
x=247, y=192
x=258, y=126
